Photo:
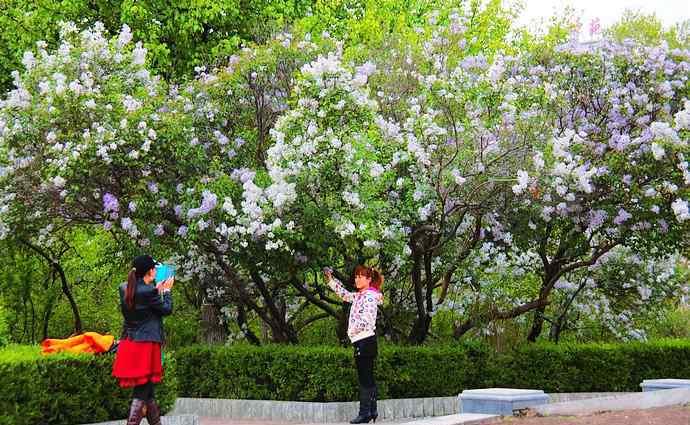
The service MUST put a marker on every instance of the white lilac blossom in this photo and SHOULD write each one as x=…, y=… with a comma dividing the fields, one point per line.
x=522, y=182
x=680, y=209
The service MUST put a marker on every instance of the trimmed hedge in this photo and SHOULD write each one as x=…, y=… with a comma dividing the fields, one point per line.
x=67, y=388
x=327, y=373
x=324, y=373
x=567, y=368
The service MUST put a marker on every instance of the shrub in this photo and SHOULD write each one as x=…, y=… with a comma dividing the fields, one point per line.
x=328, y=374
x=67, y=388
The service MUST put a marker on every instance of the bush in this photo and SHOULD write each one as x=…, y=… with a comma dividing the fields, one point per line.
x=67, y=388
x=325, y=373
x=328, y=374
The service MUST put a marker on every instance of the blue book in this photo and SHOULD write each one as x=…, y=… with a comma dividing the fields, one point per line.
x=164, y=272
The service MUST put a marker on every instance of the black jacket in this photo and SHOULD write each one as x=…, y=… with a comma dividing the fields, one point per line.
x=145, y=321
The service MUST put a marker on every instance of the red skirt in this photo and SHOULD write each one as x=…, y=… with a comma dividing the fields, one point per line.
x=137, y=363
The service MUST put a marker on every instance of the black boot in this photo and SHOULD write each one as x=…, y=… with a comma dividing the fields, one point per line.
x=373, y=395
x=153, y=414
x=364, y=415
x=137, y=411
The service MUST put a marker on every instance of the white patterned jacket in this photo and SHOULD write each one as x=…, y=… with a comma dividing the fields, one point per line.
x=362, y=323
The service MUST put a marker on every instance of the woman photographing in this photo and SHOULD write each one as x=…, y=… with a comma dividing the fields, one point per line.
x=138, y=362
x=361, y=331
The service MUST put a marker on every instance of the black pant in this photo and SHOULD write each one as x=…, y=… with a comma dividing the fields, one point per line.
x=365, y=357
x=144, y=392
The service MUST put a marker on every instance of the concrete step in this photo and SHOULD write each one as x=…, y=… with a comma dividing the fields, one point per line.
x=634, y=401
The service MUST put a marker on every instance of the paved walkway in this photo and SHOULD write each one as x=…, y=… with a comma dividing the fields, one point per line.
x=460, y=419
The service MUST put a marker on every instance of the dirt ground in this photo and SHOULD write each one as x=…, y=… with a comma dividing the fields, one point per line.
x=677, y=415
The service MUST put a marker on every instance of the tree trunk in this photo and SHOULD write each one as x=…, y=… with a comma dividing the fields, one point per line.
x=537, y=324
x=555, y=332
x=244, y=326
x=420, y=330
x=68, y=293
x=212, y=329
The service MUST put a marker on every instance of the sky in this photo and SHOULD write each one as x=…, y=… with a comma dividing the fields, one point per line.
x=608, y=11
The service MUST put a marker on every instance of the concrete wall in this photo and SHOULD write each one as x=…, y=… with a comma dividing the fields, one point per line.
x=314, y=412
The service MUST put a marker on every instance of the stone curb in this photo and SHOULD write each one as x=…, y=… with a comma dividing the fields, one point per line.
x=314, y=412
x=165, y=420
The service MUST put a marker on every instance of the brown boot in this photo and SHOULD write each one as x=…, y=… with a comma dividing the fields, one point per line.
x=137, y=411
x=153, y=414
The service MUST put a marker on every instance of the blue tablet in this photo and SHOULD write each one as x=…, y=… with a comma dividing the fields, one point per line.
x=164, y=271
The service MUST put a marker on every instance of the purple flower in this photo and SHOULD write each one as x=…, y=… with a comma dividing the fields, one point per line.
x=208, y=202
x=178, y=210
x=153, y=187
x=107, y=225
x=132, y=206
x=182, y=231
x=159, y=231
x=597, y=218
x=110, y=203
x=622, y=217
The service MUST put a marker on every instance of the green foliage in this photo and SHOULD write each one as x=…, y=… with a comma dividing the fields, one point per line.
x=648, y=29
x=328, y=374
x=591, y=367
x=675, y=323
x=4, y=327
x=178, y=35
x=325, y=373
x=66, y=388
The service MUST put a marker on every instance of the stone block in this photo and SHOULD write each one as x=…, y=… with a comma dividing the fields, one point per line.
x=427, y=407
x=664, y=384
x=500, y=401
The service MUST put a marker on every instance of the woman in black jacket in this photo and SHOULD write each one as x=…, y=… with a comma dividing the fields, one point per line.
x=138, y=360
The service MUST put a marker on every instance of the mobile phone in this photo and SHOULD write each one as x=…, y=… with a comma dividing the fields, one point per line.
x=164, y=272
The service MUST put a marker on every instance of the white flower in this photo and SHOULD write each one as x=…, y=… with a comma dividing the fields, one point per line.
x=228, y=207
x=131, y=104
x=459, y=179
x=683, y=117
x=523, y=181
x=352, y=198
x=376, y=170
x=345, y=229
x=139, y=54
x=59, y=182
x=663, y=131
x=372, y=244
x=124, y=37
x=657, y=151
x=538, y=160
x=28, y=60
x=680, y=209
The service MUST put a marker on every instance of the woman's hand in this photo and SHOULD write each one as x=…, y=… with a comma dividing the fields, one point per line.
x=166, y=285
x=328, y=273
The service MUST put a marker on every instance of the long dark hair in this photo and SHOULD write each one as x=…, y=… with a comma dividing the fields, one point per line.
x=132, y=278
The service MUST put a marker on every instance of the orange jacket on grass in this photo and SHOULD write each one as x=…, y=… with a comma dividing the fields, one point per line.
x=88, y=342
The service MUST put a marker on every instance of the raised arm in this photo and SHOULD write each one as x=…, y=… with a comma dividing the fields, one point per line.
x=338, y=288
x=161, y=303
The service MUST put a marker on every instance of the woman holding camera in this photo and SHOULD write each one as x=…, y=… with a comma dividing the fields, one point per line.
x=138, y=362
x=361, y=331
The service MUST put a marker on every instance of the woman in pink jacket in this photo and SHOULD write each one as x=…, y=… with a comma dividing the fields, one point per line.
x=361, y=330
